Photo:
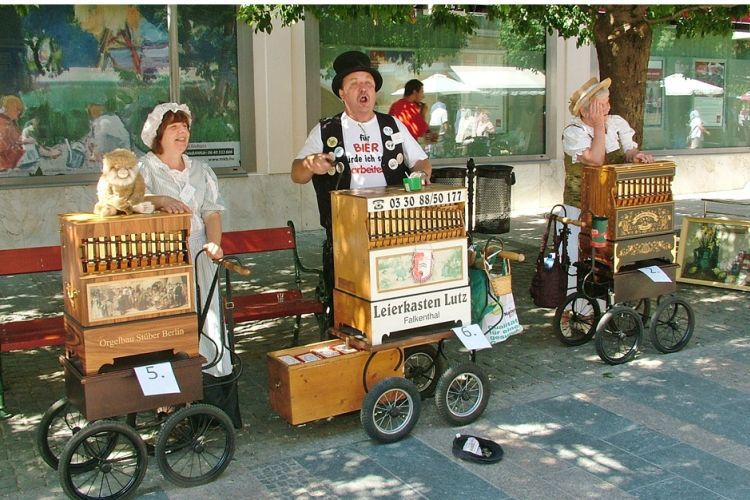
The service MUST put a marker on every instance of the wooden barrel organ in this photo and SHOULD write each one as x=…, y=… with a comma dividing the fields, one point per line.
x=400, y=261
x=638, y=203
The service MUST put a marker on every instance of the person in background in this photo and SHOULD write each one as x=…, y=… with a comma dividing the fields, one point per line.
x=107, y=133
x=410, y=109
x=593, y=138
x=177, y=184
x=359, y=148
x=11, y=146
x=695, y=138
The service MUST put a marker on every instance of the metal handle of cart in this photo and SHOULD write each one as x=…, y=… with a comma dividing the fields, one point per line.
x=228, y=263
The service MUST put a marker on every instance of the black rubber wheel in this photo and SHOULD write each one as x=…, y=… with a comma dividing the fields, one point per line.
x=148, y=424
x=576, y=319
x=642, y=307
x=672, y=325
x=462, y=395
x=58, y=424
x=120, y=461
x=618, y=335
x=391, y=409
x=423, y=366
x=195, y=445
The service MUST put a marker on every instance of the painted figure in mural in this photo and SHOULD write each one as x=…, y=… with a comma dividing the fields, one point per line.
x=411, y=110
x=11, y=146
x=358, y=148
x=175, y=183
x=593, y=138
x=697, y=130
x=107, y=133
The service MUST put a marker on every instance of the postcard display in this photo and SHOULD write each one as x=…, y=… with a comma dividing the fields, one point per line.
x=637, y=200
x=128, y=292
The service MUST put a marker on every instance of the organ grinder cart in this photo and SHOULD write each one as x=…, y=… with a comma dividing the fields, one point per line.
x=401, y=284
x=130, y=307
x=627, y=235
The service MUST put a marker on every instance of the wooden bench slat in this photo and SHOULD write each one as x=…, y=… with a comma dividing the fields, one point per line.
x=258, y=312
x=257, y=240
x=31, y=334
x=30, y=260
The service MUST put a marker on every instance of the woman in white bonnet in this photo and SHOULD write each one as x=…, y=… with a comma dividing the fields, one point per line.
x=175, y=183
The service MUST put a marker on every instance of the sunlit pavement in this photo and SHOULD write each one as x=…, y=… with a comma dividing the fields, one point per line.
x=662, y=426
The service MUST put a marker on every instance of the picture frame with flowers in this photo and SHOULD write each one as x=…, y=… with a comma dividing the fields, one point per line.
x=714, y=252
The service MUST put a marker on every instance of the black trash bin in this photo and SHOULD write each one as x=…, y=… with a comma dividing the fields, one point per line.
x=492, y=200
x=450, y=176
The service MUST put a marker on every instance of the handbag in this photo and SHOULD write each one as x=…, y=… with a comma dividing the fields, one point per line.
x=549, y=286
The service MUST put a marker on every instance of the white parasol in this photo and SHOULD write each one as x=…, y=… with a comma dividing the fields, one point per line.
x=441, y=84
x=678, y=84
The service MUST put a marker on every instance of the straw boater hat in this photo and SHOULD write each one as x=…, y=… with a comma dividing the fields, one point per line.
x=585, y=93
x=351, y=62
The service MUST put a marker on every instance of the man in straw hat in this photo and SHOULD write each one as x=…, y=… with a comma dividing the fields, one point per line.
x=358, y=148
x=593, y=138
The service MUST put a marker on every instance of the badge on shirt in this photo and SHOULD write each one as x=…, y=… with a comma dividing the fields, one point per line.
x=392, y=164
x=338, y=152
x=339, y=167
x=400, y=158
x=389, y=145
x=187, y=193
x=332, y=141
x=397, y=138
x=387, y=130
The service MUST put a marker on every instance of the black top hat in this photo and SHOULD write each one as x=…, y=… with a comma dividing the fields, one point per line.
x=351, y=62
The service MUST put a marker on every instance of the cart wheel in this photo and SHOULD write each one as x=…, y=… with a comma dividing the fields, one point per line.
x=618, y=335
x=463, y=392
x=642, y=307
x=58, y=424
x=576, y=318
x=119, y=462
x=148, y=424
x=423, y=367
x=672, y=325
x=391, y=409
x=195, y=445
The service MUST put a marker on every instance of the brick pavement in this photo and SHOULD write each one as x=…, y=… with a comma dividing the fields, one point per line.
x=662, y=426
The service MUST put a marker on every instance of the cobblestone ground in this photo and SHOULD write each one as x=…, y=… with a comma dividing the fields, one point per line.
x=526, y=367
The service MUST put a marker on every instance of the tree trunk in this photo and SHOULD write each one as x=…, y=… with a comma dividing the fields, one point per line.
x=622, y=38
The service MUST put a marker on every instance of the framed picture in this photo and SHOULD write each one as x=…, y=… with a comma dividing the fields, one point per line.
x=714, y=252
x=139, y=296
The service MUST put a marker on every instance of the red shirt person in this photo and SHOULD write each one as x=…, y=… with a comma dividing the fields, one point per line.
x=410, y=109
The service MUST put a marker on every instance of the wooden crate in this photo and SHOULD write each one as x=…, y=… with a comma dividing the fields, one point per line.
x=319, y=389
x=119, y=393
x=120, y=268
x=630, y=284
x=100, y=346
x=386, y=272
x=386, y=320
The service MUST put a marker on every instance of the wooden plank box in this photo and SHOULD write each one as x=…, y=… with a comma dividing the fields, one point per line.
x=119, y=393
x=120, y=268
x=630, y=284
x=309, y=391
x=386, y=320
x=99, y=346
x=386, y=273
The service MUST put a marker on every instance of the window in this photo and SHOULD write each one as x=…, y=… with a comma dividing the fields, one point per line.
x=698, y=94
x=491, y=87
x=78, y=81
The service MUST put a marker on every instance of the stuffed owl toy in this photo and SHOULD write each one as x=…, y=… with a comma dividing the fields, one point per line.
x=121, y=187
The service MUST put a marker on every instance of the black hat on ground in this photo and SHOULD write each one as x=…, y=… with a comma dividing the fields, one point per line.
x=351, y=62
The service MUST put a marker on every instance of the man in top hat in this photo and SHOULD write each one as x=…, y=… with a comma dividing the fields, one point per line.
x=593, y=138
x=358, y=148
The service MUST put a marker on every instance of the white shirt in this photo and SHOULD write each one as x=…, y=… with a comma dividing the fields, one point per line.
x=577, y=138
x=363, y=146
x=196, y=186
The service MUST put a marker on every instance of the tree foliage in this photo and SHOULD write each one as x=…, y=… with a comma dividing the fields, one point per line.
x=622, y=34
